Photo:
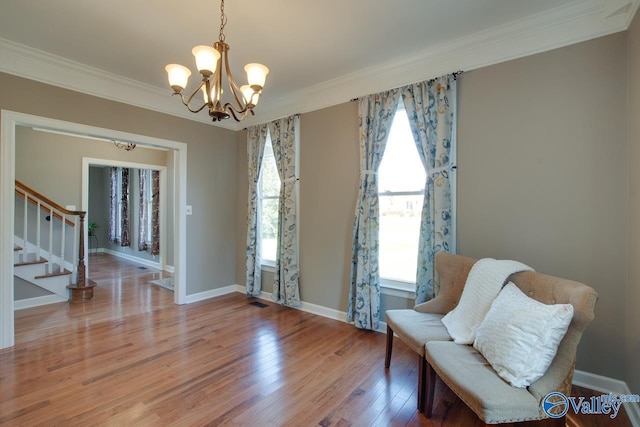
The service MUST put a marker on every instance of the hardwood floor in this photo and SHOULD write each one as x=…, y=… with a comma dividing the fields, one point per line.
x=132, y=357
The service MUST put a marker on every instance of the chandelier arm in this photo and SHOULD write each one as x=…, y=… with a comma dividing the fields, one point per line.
x=232, y=84
x=186, y=102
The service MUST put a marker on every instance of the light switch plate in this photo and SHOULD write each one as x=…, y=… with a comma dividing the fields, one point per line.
x=189, y=210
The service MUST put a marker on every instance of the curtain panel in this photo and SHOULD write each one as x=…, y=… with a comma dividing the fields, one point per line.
x=256, y=140
x=375, y=116
x=113, y=204
x=124, y=237
x=155, y=213
x=284, y=136
x=431, y=108
x=143, y=219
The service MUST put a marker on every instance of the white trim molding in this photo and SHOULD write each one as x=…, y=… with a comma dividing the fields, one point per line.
x=21, y=304
x=572, y=23
x=609, y=385
x=213, y=293
x=9, y=121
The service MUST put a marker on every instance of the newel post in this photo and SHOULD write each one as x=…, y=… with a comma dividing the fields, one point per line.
x=81, y=291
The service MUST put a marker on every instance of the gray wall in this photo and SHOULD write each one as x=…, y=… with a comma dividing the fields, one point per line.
x=26, y=290
x=210, y=176
x=633, y=294
x=542, y=179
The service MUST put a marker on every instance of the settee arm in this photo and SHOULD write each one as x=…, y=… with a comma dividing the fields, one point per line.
x=452, y=271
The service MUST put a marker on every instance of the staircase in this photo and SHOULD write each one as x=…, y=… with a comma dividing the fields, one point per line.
x=53, y=259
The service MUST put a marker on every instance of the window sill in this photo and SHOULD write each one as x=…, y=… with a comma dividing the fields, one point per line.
x=398, y=288
x=268, y=266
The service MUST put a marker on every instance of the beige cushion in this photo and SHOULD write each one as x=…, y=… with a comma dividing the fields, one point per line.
x=519, y=336
x=471, y=377
x=416, y=329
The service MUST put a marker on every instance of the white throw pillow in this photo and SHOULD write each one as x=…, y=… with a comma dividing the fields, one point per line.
x=519, y=337
x=482, y=286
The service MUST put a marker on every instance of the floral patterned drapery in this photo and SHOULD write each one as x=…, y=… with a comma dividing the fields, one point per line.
x=124, y=236
x=431, y=109
x=256, y=140
x=375, y=116
x=143, y=219
x=286, y=288
x=155, y=212
x=113, y=204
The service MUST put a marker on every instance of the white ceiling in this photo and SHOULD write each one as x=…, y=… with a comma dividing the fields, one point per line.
x=320, y=53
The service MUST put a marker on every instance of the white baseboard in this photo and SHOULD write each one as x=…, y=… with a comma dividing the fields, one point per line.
x=37, y=301
x=304, y=306
x=608, y=385
x=128, y=257
x=201, y=296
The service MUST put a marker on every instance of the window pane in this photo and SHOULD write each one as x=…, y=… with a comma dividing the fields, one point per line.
x=401, y=168
x=270, y=180
x=399, y=232
x=401, y=171
x=269, y=226
x=269, y=193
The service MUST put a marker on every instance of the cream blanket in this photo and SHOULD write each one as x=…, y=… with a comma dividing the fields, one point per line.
x=485, y=280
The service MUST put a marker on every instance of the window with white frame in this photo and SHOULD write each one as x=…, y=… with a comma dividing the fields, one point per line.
x=269, y=193
x=148, y=205
x=119, y=210
x=401, y=179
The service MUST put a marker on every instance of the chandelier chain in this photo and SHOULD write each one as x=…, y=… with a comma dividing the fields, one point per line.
x=223, y=21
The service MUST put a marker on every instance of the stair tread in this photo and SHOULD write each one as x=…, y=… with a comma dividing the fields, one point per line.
x=54, y=274
x=17, y=248
x=42, y=261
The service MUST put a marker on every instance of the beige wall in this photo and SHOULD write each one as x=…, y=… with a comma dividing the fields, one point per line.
x=542, y=179
x=543, y=176
x=633, y=295
x=211, y=177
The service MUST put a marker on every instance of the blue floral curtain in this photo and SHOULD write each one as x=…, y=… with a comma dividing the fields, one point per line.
x=143, y=213
x=256, y=140
x=155, y=213
x=124, y=235
x=375, y=116
x=113, y=204
x=284, y=134
x=431, y=110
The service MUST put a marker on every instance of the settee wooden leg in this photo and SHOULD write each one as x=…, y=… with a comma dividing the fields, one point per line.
x=387, y=357
x=422, y=365
x=430, y=388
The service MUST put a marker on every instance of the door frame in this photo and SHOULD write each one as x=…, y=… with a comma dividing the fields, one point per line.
x=8, y=122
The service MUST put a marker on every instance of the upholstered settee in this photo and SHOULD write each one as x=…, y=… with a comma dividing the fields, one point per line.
x=464, y=369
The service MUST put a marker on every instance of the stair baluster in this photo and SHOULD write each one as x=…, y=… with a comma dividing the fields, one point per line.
x=82, y=290
x=38, y=231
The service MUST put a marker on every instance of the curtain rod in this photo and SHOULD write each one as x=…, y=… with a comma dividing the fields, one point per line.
x=455, y=76
x=291, y=115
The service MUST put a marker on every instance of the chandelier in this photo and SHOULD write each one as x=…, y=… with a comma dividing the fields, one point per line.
x=211, y=61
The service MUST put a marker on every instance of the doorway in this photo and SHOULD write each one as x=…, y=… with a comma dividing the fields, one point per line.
x=9, y=121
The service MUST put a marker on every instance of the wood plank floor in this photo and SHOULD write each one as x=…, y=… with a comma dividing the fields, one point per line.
x=132, y=357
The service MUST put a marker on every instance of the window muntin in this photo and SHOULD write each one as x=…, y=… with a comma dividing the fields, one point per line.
x=401, y=179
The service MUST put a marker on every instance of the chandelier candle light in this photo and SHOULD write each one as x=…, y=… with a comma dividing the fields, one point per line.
x=210, y=62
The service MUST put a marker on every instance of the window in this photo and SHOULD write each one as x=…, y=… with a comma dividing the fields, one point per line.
x=401, y=179
x=269, y=193
x=147, y=204
x=119, y=209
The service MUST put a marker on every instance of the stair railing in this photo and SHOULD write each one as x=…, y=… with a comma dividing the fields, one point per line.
x=67, y=217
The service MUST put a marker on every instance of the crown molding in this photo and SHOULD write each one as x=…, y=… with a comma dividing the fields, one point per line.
x=27, y=62
x=573, y=23
x=576, y=22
